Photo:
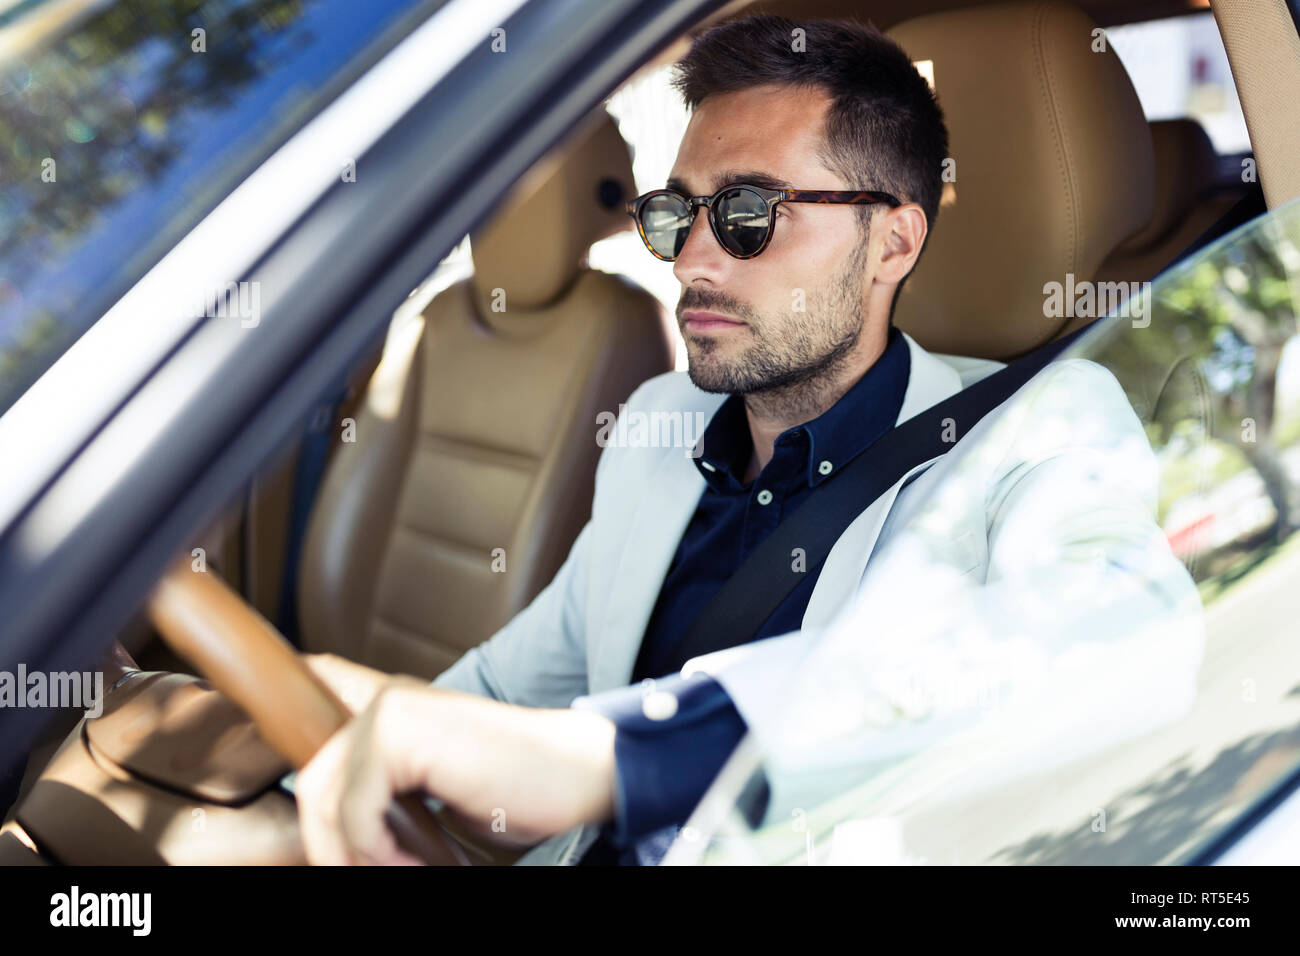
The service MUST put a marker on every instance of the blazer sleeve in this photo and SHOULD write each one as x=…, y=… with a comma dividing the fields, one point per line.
x=1076, y=629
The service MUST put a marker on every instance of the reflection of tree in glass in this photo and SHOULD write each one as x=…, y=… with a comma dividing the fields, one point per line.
x=1211, y=354
x=113, y=102
x=39, y=335
x=1249, y=300
x=102, y=102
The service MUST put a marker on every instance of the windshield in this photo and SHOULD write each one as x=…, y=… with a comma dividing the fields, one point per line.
x=123, y=124
x=1106, y=673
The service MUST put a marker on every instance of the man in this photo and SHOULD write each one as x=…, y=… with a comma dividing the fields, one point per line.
x=801, y=198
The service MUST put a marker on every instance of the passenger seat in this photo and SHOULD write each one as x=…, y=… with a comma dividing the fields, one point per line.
x=1053, y=171
x=1188, y=201
x=477, y=431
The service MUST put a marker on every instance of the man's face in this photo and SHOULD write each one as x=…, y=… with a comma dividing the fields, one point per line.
x=795, y=310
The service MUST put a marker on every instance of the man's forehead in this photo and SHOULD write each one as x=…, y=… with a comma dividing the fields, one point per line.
x=766, y=136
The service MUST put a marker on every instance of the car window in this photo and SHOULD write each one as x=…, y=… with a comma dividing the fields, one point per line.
x=1105, y=673
x=123, y=124
x=1180, y=70
x=652, y=119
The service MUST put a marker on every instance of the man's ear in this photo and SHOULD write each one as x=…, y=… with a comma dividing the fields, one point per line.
x=904, y=230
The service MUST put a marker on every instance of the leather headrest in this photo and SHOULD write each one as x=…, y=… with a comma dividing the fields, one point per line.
x=1186, y=167
x=532, y=249
x=1053, y=170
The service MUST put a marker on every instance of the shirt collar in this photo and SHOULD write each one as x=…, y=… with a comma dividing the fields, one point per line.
x=726, y=446
x=865, y=412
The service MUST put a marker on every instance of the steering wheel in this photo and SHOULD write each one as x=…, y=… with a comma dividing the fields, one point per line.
x=243, y=656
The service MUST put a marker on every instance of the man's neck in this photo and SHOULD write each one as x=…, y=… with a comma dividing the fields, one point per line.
x=772, y=412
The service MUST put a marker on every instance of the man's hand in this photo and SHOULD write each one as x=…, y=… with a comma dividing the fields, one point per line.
x=514, y=774
x=354, y=684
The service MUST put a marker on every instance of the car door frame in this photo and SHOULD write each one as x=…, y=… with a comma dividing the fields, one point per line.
x=82, y=551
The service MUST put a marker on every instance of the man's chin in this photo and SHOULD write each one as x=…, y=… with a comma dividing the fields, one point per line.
x=719, y=380
x=712, y=371
x=722, y=379
x=708, y=383
x=709, y=376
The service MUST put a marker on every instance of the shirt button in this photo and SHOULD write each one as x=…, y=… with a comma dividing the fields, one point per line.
x=765, y=497
x=825, y=467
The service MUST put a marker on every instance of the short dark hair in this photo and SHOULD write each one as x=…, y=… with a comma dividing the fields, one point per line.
x=884, y=130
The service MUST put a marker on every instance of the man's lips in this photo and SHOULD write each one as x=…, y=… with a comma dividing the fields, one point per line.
x=709, y=321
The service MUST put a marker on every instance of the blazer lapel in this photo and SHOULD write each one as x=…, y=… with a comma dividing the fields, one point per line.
x=656, y=529
x=929, y=382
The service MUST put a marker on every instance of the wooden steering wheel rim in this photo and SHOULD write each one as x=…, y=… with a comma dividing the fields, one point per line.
x=243, y=656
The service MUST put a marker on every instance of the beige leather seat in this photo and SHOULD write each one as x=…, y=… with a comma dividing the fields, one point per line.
x=1053, y=171
x=1188, y=201
x=1055, y=175
x=478, y=432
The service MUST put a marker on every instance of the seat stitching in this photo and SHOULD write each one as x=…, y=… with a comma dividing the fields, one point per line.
x=1042, y=69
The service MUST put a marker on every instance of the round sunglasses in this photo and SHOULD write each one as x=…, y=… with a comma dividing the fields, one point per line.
x=742, y=216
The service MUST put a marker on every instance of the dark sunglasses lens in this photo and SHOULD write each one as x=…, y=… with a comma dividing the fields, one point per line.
x=666, y=222
x=743, y=220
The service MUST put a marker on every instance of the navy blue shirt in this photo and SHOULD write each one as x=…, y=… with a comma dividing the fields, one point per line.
x=665, y=764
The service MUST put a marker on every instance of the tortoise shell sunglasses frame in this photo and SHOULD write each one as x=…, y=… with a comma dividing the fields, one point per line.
x=772, y=197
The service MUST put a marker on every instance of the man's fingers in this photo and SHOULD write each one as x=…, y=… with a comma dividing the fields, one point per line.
x=318, y=790
x=343, y=795
x=366, y=792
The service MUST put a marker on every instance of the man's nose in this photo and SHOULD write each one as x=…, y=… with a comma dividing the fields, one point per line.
x=701, y=257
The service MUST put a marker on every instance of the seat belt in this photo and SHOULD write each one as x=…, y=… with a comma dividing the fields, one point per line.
x=1241, y=212
x=318, y=441
x=313, y=456
x=757, y=588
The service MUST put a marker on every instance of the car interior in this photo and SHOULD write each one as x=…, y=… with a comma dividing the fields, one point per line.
x=473, y=419
x=472, y=427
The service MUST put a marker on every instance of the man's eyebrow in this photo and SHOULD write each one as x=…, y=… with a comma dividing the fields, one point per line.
x=729, y=176
x=754, y=177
